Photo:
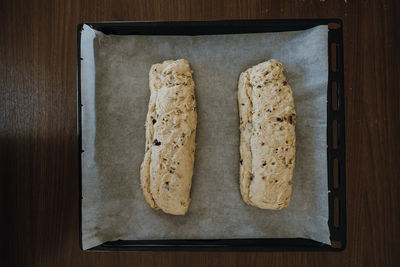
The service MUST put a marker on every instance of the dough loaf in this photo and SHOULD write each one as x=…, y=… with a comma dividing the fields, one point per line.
x=267, y=136
x=167, y=168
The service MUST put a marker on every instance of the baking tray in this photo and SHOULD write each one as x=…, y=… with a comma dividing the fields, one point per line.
x=335, y=132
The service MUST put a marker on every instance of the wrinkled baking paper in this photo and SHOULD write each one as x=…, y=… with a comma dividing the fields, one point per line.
x=115, y=95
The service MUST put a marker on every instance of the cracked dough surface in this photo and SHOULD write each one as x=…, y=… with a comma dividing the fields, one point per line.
x=167, y=169
x=267, y=136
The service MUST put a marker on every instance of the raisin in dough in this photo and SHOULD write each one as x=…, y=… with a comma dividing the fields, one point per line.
x=167, y=169
x=267, y=136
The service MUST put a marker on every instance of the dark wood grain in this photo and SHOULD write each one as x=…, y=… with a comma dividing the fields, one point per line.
x=39, y=185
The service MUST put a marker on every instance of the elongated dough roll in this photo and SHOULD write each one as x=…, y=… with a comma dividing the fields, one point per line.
x=167, y=168
x=267, y=136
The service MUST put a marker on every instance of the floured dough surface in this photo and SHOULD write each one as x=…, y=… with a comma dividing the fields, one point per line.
x=167, y=168
x=267, y=136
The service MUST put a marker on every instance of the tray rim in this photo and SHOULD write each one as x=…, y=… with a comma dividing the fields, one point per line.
x=227, y=27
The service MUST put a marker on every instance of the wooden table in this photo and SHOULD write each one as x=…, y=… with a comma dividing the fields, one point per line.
x=39, y=185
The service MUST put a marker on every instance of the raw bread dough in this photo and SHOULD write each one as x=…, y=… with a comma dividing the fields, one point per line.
x=267, y=136
x=167, y=168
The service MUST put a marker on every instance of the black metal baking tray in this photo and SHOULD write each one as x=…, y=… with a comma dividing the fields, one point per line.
x=335, y=132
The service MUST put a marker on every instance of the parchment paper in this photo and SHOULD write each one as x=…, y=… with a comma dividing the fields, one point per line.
x=115, y=96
